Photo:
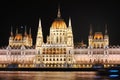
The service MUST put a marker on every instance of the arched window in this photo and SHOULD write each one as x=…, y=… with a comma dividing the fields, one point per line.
x=101, y=45
x=38, y=59
x=94, y=45
x=60, y=39
x=39, y=52
x=98, y=45
x=57, y=39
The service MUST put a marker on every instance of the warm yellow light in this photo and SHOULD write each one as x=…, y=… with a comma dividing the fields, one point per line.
x=98, y=35
x=59, y=24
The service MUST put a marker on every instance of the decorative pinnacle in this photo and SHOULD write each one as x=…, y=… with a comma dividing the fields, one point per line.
x=70, y=22
x=25, y=30
x=17, y=31
x=105, y=28
x=39, y=22
x=11, y=31
x=59, y=14
x=30, y=31
x=90, y=29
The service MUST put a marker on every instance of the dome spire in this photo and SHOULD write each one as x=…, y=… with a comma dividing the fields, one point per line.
x=90, y=29
x=59, y=14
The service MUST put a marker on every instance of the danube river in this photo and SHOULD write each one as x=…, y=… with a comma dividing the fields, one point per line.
x=9, y=75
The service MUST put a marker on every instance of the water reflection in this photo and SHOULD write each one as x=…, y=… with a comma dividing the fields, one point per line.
x=51, y=76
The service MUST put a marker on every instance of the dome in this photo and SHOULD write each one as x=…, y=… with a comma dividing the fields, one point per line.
x=18, y=37
x=98, y=35
x=59, y=24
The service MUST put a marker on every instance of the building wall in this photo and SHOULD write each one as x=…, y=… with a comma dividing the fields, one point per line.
x=17, y=56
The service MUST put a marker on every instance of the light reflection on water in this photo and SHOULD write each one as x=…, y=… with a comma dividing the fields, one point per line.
x=6, y=75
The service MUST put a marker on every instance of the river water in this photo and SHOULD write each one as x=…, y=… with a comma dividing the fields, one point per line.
x=26, y=75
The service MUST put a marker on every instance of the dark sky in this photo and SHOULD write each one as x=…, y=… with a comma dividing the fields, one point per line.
x=19, y=13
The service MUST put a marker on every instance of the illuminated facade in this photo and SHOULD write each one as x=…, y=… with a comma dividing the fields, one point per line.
x=19, y=39
x=17, y=57
x=20, y=51
x=97, y=52
x=59, y=49
x=98, y=40
x=56, y=51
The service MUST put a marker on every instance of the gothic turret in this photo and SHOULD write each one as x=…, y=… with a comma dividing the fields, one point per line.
x=106, y=37
x=39, y=39
x=11, y=33
x=20, y=39
x=69, y=34
x=30, y=32
x=90, y=37
x=25, y=33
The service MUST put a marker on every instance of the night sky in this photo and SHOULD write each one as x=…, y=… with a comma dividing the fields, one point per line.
x=19, y=14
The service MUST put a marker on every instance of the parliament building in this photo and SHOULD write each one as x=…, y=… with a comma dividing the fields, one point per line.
x=59, y=50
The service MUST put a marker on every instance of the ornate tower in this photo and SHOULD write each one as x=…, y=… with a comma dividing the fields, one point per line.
x=39, y=39
x=59, y=43
x=19, y=39
x=11, y=37
x=98, y=40
x=69, y=35
x=106, y=37
x=30, y=37
x=90, y=37
x=58, y=30
x=25, y=36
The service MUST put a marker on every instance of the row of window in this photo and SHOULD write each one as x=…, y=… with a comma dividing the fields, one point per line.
x=115, y=53
x=3, y=53
x=54, y=49
x=54, y=55
x=19, y=53
x=54, y=52
x=81, y=53
x=61, y=59
x=58, y=33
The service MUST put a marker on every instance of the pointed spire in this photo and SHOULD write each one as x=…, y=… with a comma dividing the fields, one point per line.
x=30, y=32
x=70, y=22
x=17, y=31
x=105, y=29
x=25, y=31
x=11, y=31
x=59, y=14
x=90, y=29
x=39, y=22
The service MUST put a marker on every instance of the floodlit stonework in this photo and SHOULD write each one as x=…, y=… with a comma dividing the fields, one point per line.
x=59, y=50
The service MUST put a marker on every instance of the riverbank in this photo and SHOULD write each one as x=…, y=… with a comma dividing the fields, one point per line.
x=48, y=69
